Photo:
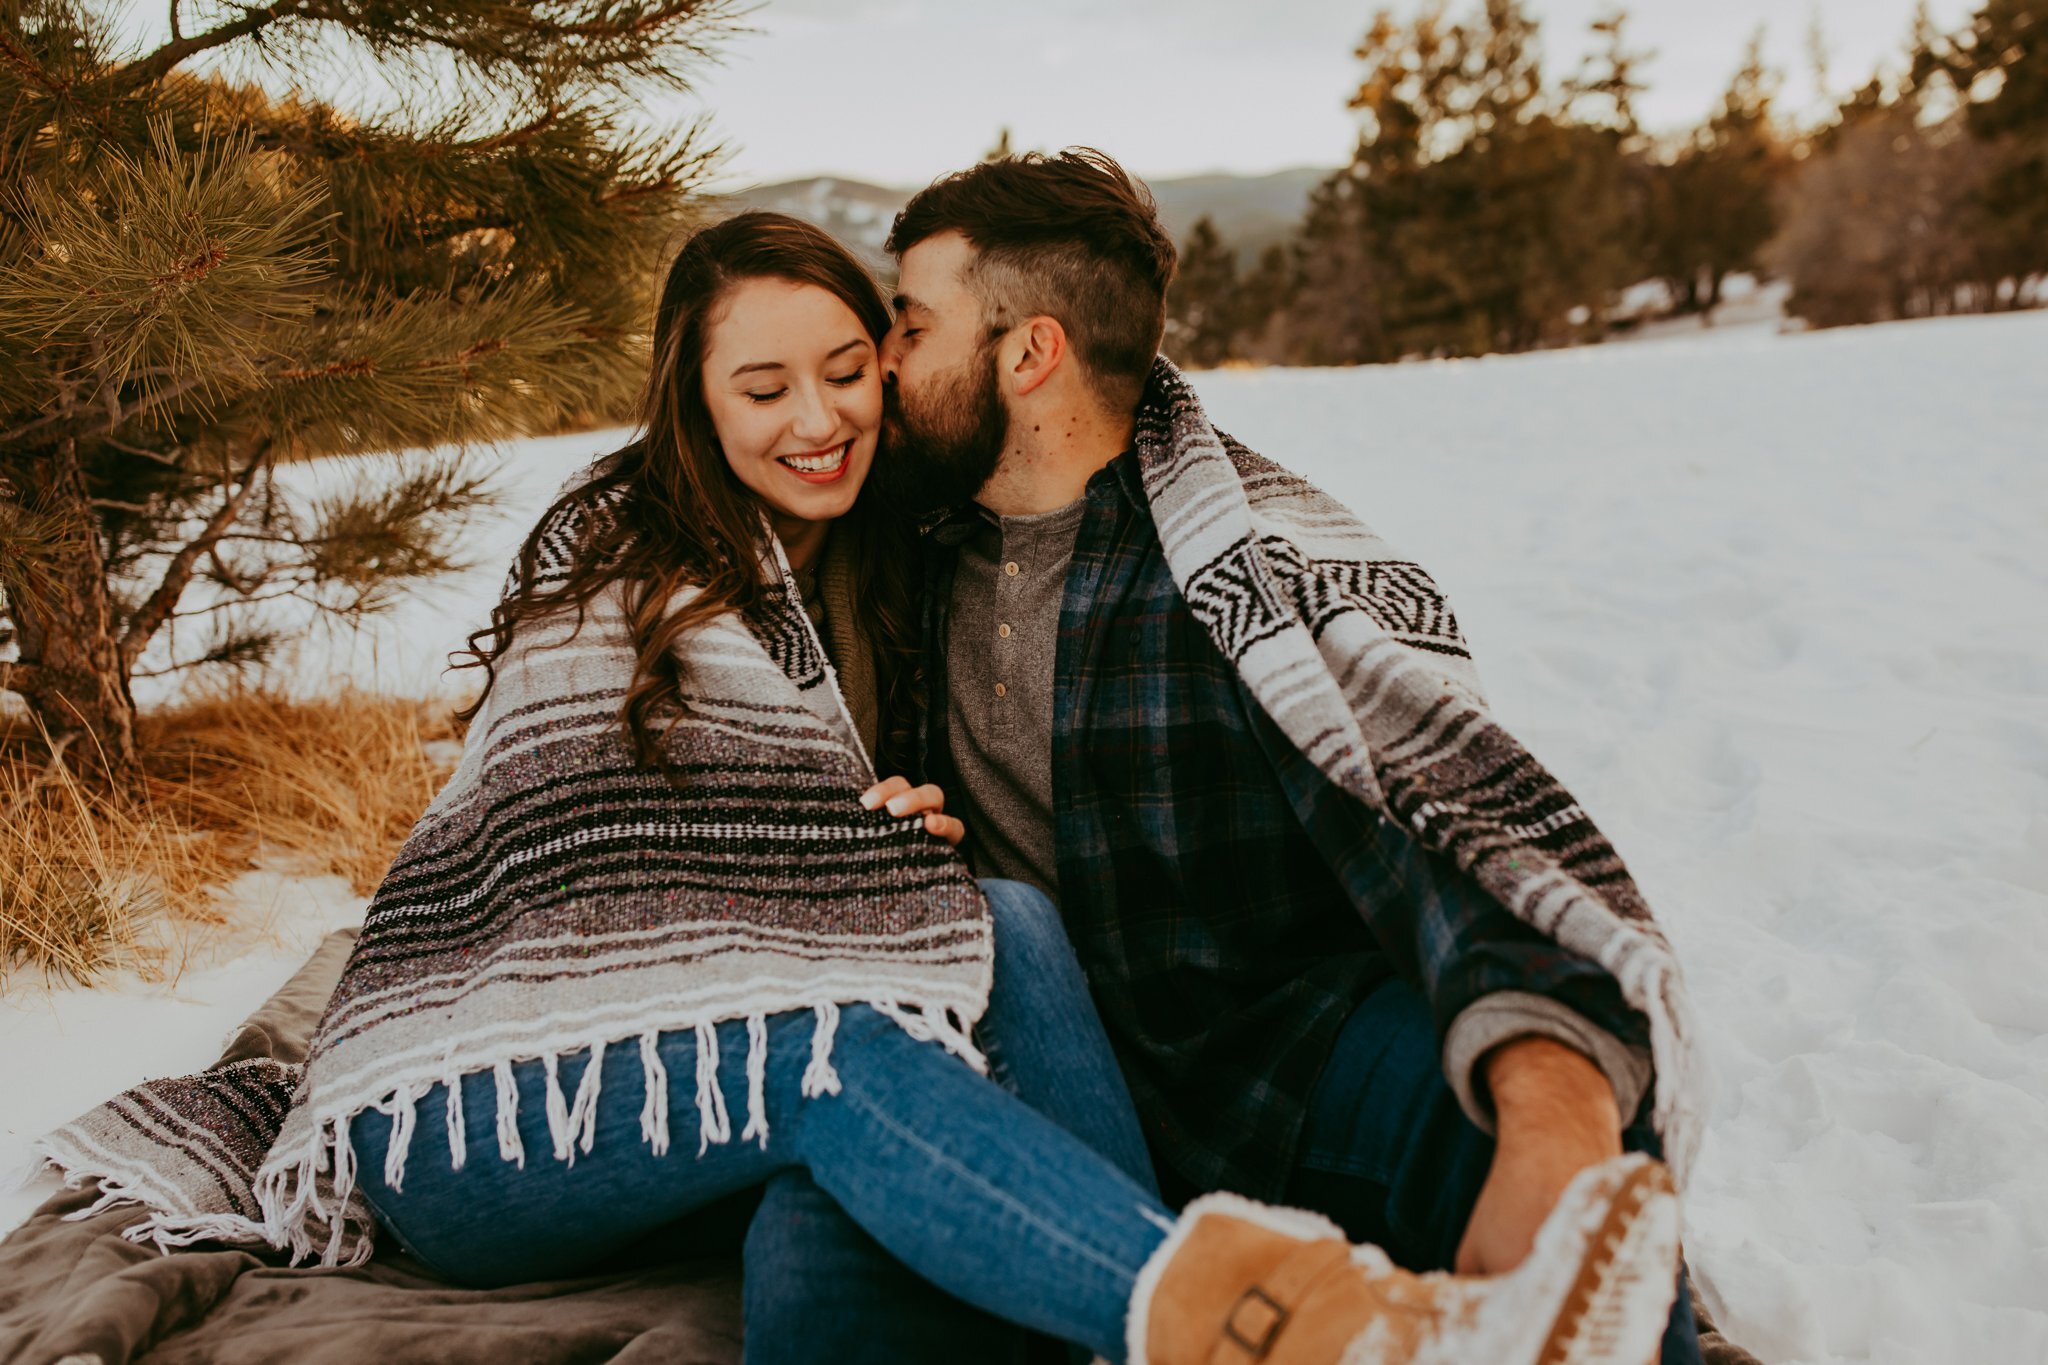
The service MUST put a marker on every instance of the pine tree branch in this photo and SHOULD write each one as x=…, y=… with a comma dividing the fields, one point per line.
x=178, y=575
x=169, y=461
x=244, y=586
x=13, y=54
x=95, y=428
x=153, y=68
x=517, y=137
x=297, y=590
x=649, y=22
x=116, y=505
x=168, y=669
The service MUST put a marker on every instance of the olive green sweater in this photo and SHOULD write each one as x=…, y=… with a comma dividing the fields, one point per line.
x=827, y=588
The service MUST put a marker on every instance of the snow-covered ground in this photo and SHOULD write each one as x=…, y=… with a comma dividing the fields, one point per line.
x=1776, y=608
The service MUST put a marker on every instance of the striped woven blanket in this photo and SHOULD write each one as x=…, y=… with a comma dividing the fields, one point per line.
x=558, y=896
x=1357, y=657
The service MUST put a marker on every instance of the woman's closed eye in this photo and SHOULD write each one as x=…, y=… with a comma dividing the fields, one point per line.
x=843, y=381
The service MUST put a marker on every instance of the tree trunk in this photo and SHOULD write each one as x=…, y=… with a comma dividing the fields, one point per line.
x=71, y=673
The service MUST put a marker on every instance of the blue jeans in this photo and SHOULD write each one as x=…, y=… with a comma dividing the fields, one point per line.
x=957, y=1178
x=819, y=1287
x=1387, y=1152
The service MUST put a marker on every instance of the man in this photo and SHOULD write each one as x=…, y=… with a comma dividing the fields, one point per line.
x=1311, y=1003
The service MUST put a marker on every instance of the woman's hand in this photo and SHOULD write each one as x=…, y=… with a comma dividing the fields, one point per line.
x=901, y=798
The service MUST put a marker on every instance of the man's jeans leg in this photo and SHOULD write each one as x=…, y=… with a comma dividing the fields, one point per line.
x=1389, y=1154
x=818, y=1287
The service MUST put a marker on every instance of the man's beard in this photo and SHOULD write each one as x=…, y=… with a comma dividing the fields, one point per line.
x=938, y=451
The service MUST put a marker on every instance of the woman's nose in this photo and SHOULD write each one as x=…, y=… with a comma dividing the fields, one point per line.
x=815, y=418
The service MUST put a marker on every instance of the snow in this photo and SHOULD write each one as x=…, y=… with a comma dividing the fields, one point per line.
x=1773, y=606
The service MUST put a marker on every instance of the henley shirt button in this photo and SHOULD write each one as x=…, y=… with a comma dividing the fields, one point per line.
x=1011, y=568
x=1004, y=630
x=1002, y=691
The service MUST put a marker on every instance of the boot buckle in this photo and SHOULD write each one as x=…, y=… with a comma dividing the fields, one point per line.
x=1255, y=1321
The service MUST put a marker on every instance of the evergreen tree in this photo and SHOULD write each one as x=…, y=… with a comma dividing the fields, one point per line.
x=200, y=280
x=1202, y=317
x=2000, y=60
x=1264, y=297
x=1884, y=218
x=1492, y=211
x=1712, y=207
x=1336, y=314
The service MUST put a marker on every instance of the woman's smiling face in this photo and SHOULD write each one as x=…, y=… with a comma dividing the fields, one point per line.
x=793, y=390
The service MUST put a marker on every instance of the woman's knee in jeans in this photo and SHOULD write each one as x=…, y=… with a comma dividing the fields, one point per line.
x=1028, y=927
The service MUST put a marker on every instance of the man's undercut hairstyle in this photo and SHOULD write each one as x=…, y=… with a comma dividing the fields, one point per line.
x=1071, y=237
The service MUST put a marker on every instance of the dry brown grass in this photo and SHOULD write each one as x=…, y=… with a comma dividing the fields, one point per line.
x=337, y=781
x=90, y=881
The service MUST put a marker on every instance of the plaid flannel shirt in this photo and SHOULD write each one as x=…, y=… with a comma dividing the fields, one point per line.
x=1229, y=905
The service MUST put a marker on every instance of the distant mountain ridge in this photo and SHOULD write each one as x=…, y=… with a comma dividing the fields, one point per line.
x=1251, y=212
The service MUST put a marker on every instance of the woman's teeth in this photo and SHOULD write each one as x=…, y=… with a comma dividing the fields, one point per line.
x=817, y=464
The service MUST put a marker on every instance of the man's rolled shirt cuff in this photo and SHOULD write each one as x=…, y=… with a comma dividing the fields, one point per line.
x=1503, y=1016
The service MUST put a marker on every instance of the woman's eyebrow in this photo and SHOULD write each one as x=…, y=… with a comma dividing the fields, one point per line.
x=832, y=354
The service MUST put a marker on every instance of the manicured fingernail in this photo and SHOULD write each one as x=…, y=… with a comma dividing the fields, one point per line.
x=897, y=803
x=869, y=800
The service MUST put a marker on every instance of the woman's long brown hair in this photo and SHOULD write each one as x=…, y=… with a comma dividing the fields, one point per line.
x=669, y=512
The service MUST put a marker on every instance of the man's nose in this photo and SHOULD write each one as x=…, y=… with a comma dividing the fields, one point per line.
x=891, y=357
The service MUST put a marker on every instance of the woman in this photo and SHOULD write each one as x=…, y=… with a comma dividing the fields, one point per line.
x=655, y=943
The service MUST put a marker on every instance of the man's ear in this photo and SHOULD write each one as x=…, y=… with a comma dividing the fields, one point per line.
x=1041, y=349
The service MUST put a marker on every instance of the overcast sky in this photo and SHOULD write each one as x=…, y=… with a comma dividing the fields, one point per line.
x=898, y=91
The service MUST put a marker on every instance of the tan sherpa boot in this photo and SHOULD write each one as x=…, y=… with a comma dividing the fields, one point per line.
x=1238, y=1282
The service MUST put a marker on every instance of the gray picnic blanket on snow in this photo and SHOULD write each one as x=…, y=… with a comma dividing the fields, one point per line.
x=78, y=1293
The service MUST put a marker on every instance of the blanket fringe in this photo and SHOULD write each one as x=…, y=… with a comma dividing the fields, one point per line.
x=757, y=1080
x=934, y=1023
x=168, y=1232
x=458, y=1129
x=713, y=1123
x=654, y=1078
x=164, y=1229
x=404, y=1112
x=583, y=1111
x=557, y=1105
x=112, y=1191
x=510, y=1148
x=819, y=1077
x=345, y=1181
x=316, y=1193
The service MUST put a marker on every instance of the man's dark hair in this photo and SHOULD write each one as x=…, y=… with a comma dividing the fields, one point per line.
x=1071, y=237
